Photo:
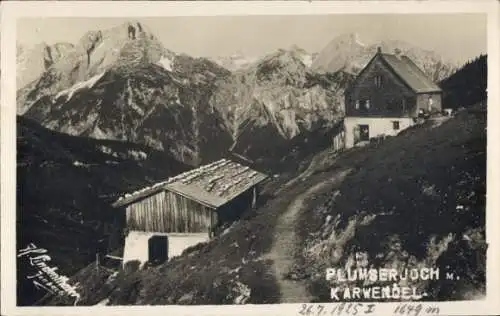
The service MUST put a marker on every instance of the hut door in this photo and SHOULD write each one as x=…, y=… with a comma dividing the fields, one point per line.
x=158, y=249
x=364, y=133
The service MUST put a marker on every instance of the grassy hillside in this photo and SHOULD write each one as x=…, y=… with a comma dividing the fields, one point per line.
x=416, y=200
x=398, y=204
x=65, y=185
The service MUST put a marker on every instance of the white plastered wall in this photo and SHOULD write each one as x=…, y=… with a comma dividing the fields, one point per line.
x=137, y=244
x=377, y=126
x=177, y=243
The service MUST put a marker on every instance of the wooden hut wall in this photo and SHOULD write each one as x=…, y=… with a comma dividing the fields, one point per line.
x=187, y=215
x=169, y=212
x=233, y=210
x=392, y=99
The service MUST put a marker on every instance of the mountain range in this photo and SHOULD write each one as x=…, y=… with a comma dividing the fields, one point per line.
x=240, y=60
x=278, y=99
x=123, y=84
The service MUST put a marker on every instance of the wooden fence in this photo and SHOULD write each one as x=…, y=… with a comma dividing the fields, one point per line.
x=338, y=142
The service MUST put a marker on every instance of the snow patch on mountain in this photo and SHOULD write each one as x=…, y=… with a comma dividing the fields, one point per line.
x=357, y=40
x=307, y=60
x=98, y=133
x=87, y=84
x=166, y=62
x=235, y=62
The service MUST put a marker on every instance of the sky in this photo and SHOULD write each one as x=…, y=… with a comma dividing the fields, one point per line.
x=457, y=37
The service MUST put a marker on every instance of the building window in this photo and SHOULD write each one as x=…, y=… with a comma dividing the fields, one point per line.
x=378, y=81
x=395, y=125
x=367, y=104
x=430, y=102
x=357, y=104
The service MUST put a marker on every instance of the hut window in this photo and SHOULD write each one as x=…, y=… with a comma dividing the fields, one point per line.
x=378, y=81
x=357, y=104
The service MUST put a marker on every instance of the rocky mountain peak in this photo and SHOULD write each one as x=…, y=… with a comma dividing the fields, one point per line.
x=349, y=54
x=348, y=38
x=123, y=84
x=128, y=43
x=125, y=46
x=338, y=52
x=283, y=67
x=32, y=61
x=296, y=48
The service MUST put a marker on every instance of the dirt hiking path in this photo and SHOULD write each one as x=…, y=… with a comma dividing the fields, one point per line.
x=285, y=241
x=308, y=172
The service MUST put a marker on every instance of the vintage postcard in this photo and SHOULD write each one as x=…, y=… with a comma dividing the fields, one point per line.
x=314, y=159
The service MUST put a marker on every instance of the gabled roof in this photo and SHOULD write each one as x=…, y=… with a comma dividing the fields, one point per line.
x=211, y=185
x=404, y=68
x=409, y=72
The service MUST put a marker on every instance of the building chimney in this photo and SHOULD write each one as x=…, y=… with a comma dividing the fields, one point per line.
x=398, y=53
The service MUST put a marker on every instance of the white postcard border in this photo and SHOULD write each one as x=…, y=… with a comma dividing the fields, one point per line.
x=11, y=11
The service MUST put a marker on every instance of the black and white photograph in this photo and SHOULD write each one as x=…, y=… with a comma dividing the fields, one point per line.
x=336, y=159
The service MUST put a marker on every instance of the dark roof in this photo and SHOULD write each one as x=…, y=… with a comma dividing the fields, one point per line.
x=212, y=185
x=409, y=72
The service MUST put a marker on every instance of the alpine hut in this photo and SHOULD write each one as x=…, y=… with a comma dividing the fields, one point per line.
x=387, y=96
x=164, y=219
